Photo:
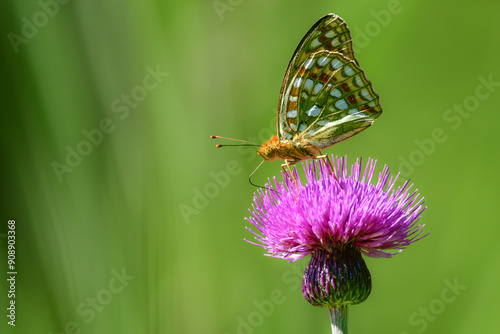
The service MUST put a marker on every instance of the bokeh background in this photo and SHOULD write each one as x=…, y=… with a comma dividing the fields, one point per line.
x=128, y=220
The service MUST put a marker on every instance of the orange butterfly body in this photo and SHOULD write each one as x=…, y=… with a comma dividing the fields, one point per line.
x=289, y=151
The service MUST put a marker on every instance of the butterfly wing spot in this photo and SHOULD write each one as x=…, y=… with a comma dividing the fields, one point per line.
x=358, y=81
x=322, y=39
x=325, y=78
x=352, y=99
x=317, y=88
x=308, y=84
x=336, y=64
x=348, y=70
x=330, y=34
x=335, y=42
x=367, y=96
x=297, y=82
x=291, y=114
x=315, y=43
x=309, y=63
x=341, y=104
x=335, y=93
x=323, y=61
x=302, y=127
x=314, y=111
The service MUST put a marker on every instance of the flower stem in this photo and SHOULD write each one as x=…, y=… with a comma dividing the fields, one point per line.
x=338, y=318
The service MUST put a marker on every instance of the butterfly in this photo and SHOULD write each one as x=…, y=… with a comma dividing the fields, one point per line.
x=325, y=97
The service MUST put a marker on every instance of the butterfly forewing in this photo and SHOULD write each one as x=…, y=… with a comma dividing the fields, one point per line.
x=329, y=33
x=326, y=96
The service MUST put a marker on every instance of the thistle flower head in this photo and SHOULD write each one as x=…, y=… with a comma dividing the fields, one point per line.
x=294, y=220
x=336, y=221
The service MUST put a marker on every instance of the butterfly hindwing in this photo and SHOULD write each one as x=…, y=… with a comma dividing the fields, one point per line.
x=326, y=96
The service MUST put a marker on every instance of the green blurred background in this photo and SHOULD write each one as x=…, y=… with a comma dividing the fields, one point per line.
x=142, y=232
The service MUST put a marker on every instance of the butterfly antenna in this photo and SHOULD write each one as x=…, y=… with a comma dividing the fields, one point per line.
x=248, y=143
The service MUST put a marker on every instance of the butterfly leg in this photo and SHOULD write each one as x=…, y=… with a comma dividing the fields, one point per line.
x=326, y=159
x=288, y=170
x=290, y=174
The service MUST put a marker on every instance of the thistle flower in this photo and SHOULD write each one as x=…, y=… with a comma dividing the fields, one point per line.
x=335, y=221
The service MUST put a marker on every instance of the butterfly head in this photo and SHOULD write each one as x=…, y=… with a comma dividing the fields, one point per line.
x=268, y=150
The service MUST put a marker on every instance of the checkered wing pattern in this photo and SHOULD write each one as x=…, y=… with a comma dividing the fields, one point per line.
x=326, y=97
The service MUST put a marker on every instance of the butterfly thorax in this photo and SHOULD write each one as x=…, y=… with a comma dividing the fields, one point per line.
x=290, y=150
